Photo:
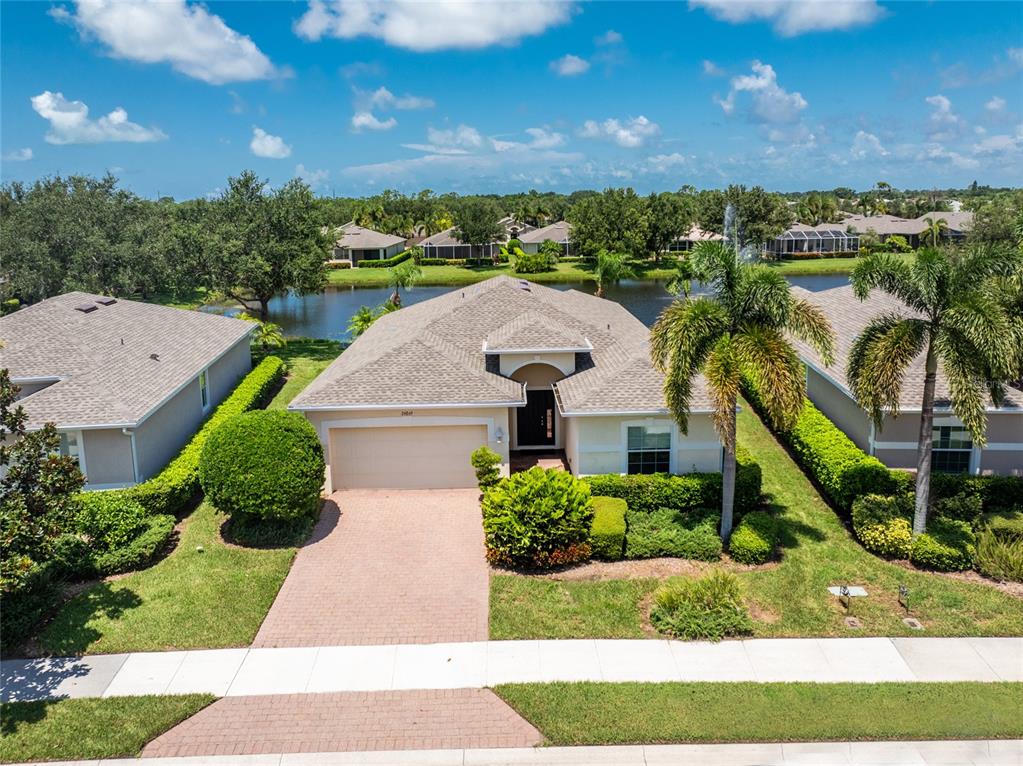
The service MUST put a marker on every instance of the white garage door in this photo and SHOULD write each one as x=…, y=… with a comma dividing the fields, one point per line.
x=416, y=457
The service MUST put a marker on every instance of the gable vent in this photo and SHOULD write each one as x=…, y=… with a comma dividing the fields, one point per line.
x=85, y=308
x=106, y=301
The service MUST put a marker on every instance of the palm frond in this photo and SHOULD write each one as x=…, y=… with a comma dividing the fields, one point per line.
x=884, y=271
x=966, y=385
x=761, y=296
x=931, y=270
x=724, y=377
x=768, y=358
x=878, y=360
x=981, y=320
x=716, y=264
x=808, y=322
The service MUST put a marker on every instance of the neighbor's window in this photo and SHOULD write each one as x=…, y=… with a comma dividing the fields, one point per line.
x=204, y=390
x=951, y=449
x=649, y=449
x=70, y=446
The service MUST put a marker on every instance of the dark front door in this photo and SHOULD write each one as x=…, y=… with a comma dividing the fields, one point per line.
x=536, y=420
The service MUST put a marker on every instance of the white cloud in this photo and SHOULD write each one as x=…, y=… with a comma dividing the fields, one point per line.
x=369, y=121
x=711, y=69
x=569, y=65
x=192, y=40
x=943, y=123
x=70, y=123
x=630, y=133
x=18, y=155
x=432, y=26
x=382, y=98
x=463, y=137
x=266, y=145
x=999, y=144
x=996, y=104
x=770, y=102
x=544, y=139
x=662, y=163
x=1015, y=55
x=941, y=155
x=866, y=145
x=315, y=178
x=794, y=17
x=610, y=37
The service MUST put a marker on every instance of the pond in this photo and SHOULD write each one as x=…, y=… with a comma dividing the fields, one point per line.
x=326, y=314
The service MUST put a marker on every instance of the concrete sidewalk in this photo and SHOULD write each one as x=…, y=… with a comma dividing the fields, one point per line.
x=951, y=753
x=247, y=672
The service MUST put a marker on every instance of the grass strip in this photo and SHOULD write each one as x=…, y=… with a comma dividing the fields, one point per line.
x=652, y=713
x=74, y=729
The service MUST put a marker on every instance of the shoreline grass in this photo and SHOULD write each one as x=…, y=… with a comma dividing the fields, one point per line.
x=89, y=729
x=661, y=713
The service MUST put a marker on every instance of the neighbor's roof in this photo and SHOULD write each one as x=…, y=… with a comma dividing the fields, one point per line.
x=431, y=353
x=849, y=316
x=559, y=232
x=354, y=237
x=102, y=359
x=821, y=231
x=696, y=234
x=447, y=237
x=890, y=224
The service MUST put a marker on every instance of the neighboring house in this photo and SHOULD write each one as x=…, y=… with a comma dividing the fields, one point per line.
x=559, y=232
x=509, y=364
x=445, y=244
x=357, y=243
x=824, y=239
x=694, y=236
x=126, y=383
x=884, y=226
x=895, y=443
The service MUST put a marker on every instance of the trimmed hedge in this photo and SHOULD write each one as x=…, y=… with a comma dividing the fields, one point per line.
x=607, y=532
x=386, y=263
x=171, y=489
x=441, y=261
x=683, y=492
x=667, y=532
x=948, y=545
x=754, y=540
x=267, y=463
x=882, y=524
x=139, y=551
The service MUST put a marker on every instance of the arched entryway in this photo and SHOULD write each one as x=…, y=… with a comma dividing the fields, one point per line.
x=537, y=426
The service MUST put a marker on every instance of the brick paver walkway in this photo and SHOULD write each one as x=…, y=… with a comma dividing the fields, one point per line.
x=438, y=719
x=386, y=567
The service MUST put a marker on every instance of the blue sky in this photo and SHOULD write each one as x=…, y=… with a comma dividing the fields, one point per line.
x=357, y=96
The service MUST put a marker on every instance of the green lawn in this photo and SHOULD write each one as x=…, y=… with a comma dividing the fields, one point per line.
x=611, y=714
x=815, y=266
x=76, y=729
x=306, y=358
x=788, y=599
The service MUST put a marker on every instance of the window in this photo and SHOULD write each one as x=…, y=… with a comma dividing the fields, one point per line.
x=951, y=449
x=649, y=449
x=204, y=390
x=70, y=446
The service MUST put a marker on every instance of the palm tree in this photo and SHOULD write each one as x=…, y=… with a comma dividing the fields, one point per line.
x=611, y=267
x=361, y=320
x=936, y=227
x=267, y=334
x=402, y=276
x=954, y=319
x=738, y=330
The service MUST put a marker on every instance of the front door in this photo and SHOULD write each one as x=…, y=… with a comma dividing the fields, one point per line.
x=536, y=420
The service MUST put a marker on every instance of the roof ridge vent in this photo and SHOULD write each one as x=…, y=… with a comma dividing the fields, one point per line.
x=85, y=308
x=106, y=300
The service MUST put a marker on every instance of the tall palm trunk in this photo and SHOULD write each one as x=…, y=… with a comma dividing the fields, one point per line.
x=600, y=290
x=728, y=477
x=923, y=455
x=396, y=299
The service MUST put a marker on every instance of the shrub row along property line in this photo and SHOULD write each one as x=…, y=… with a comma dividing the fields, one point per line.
x=621, y=713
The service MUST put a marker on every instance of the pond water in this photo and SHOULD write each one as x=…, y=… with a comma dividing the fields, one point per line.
x=326, y=314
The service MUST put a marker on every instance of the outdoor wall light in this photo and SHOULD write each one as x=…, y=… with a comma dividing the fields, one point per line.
x=499, y=435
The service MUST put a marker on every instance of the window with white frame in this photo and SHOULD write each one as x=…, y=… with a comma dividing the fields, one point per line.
x=951, y=449
x=649, y=449
x=71, y=446
x=204, y=390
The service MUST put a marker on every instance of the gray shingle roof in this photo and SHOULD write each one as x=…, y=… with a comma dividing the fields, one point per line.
x=354, y=237
x=533, y=331
x=431, y=353
x=890, y=224
x=560, y=231
x=103, y=358
x=848, y=317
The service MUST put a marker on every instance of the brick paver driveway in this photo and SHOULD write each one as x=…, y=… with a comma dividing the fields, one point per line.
x=386, y=567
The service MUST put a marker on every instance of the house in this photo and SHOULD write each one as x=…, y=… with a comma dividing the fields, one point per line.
x=694, y=236
x=559, y=232
x=823, y=239
x=895, y=443
x=446, y=244
x=884, y=226
x=357, y=243
x=126, y=383
x=508, y=364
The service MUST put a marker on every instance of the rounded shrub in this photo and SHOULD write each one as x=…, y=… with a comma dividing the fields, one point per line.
x=538, y=518
x=948, y=545
x=882, y=524
x=486, y=463
x=607, y=532
x=754, y=540
x=265, y=463
x=110, y=519
x=708, y=607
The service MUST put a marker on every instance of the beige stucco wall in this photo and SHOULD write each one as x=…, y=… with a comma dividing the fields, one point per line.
x=496, y=419
x=839, y=408
x=511, y=362
x=596, y=444
x=107, y=457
